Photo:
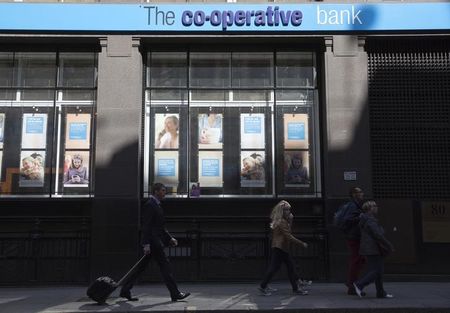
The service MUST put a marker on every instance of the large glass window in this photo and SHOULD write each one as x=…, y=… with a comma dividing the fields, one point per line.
x=231, y=123
x=47, y=107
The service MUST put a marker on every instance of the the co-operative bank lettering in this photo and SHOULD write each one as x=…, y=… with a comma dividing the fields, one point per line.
x=270, y=17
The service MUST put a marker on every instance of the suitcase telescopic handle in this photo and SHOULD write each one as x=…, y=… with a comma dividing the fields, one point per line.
x=131, y=271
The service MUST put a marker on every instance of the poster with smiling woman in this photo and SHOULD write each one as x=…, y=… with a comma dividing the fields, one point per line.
x=76, y=169
x=166, y=131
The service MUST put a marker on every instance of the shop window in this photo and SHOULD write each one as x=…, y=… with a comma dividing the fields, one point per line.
x=231, y=131
x=46, y=123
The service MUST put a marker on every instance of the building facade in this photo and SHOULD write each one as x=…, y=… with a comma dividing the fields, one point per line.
x=233, y=106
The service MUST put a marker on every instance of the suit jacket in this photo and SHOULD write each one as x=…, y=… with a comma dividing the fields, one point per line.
x=282, y=237
x=152, y=225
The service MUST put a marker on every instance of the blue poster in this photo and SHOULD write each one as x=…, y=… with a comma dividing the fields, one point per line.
x=166, y=167
x=210, y=167
x=296, y=131
x=252, y=125
x=34, y=125
x=78, y=131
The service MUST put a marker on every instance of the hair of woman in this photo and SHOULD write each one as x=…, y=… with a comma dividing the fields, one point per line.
x=277, y=214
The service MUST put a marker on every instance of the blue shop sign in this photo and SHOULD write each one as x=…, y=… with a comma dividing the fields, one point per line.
x=300, y=17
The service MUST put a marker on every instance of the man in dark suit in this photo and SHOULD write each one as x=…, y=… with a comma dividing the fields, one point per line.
x=154, y=238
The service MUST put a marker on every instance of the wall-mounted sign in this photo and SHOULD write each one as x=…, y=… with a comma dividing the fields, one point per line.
x=300, y=17
x=436, y=222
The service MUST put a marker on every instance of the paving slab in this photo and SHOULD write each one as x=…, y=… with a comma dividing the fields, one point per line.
x=411, y=297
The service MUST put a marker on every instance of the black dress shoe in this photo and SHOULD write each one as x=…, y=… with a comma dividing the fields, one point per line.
x=127, y=295
x=181, y=296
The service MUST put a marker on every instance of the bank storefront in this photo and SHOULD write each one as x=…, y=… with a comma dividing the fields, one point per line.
x=233, y=107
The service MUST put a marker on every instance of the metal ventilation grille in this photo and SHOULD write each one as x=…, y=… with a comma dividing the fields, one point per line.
x=409, y=103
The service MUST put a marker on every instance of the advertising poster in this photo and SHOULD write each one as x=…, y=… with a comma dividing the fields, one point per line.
x=32, y=165
x=295, y=131
x=252, y=131
x=166, y=131
x=78, y=130
x=76, y=169
x=166, y=168
x=253, y=169
x=194, y=189
x=2, y=128
x=210, y=131
x=296, y=169
x=34, y=131
x=210, y=168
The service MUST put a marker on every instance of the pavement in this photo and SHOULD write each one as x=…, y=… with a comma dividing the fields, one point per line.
x=411, y=297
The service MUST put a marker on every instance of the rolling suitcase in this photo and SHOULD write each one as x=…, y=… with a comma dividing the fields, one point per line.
x=104, y=286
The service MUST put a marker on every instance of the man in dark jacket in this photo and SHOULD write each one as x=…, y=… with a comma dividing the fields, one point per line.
x=154, y=238
x=353, y=236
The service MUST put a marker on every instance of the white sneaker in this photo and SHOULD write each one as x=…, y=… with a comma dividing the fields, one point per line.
x=264, y=291
x=358, y=291
x=303, y=282
x=300, y=292
x=270, y=289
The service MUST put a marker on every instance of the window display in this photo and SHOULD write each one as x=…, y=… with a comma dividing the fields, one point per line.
x=46, y=144
x=239, y=131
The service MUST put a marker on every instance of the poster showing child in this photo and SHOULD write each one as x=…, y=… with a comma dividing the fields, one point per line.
x=195, y=189
x=296, y=173
x=32, y=166
x=2, y=128
x=253, y=171
x=76, y=169
x=210, y=131
x=166, y=131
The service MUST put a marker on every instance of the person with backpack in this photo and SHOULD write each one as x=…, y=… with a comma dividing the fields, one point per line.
x=347, y=219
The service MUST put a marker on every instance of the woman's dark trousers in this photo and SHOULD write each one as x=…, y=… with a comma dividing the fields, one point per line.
x=278, y=257
x=375, y=269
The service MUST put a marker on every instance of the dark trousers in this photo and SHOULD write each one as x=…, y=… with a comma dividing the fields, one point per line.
x=164, y=267
x=278, y=257
x=355, y=264
x=375, y=269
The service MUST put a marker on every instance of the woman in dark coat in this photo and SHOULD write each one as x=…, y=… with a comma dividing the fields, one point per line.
x=374, y=246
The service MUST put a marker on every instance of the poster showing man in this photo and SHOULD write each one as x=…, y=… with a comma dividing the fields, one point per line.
x=32, y=164
x=295, y=131
x=210, y=131
x=2, y=128
x=252, y=131
x=76, y=169
x=78, y=130
x=253, y=169
x=166, y=131
x=296, y=169
x=34, y=131
x=166, y=168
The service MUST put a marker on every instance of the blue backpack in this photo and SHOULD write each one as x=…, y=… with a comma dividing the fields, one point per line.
x=342, y=216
